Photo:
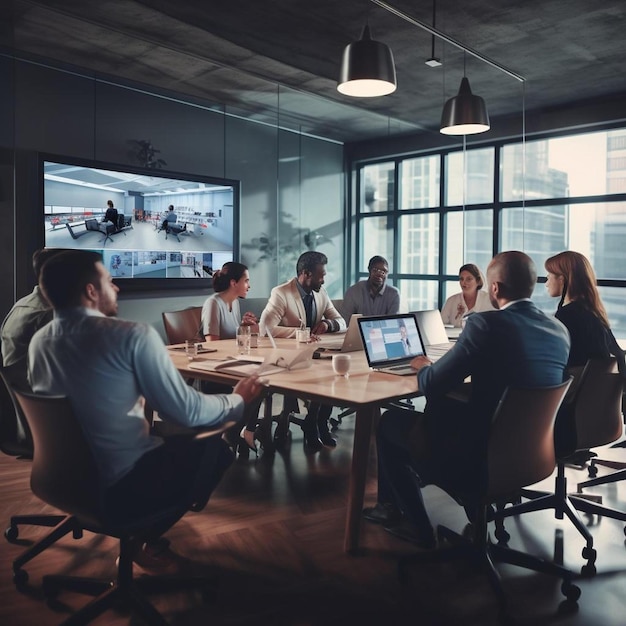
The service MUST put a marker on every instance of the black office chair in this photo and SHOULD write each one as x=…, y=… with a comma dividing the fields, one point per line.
x=64, y=475
x=520, y=452
x=597, y=420
x=16, y=440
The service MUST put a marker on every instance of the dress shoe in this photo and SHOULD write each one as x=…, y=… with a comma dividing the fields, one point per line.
x=327, y=440
x=407, y=531
x=382, y=513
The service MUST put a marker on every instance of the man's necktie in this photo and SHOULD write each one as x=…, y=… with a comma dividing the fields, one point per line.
x=308, y=307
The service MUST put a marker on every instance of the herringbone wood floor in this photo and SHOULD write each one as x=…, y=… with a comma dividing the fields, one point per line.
x=272, y=534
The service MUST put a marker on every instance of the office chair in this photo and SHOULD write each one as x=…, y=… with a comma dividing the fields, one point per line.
x=16, y=440
x=64, y=475
x=183, y=325
x=596, y=419
x=520, y=452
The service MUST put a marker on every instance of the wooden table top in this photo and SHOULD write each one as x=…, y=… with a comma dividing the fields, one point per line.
x=318, y=382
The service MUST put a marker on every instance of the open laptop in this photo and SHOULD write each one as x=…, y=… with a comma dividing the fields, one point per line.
x=391, y=342
x=433, y=333
x=350, y=341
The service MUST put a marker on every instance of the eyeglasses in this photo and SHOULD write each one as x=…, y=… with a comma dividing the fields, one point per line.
x=379, y=270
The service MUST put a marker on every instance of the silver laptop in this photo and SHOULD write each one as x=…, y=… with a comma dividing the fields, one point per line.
x=391, y=342
x=350, y=341
x=433, y=333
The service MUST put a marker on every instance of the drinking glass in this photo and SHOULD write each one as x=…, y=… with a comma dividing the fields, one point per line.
x=191, y=349
x=341, y=364
x=243, y=340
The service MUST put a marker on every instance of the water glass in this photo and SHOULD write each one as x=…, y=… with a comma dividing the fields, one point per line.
x=303, y=335
x=191, y=349
x=341, y=364
x=243, y=340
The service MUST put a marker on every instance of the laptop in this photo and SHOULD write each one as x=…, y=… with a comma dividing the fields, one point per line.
x=391, y=342
x=433, y=333
x=350, y=341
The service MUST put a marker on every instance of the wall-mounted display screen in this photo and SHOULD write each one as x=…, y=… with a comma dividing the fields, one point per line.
x=153, y=228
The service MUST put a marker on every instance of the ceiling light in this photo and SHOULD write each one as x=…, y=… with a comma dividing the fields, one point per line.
x=367, y=68
x=465, y=114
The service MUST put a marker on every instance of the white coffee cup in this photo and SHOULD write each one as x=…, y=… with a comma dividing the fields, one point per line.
x=303, y=335
x=341, y=364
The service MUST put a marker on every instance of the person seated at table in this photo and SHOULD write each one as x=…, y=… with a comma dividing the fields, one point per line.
x=24, y=319
x=108, y=368
x=516, y=345
x=372, y=296
x=170, y=218
x=221, y=317
x=471, y=299
x=572, y=279
x=301, y=302
x=221, y=312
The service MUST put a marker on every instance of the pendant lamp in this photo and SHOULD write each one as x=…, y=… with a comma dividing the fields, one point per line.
x=367, y=68
x=465, y=114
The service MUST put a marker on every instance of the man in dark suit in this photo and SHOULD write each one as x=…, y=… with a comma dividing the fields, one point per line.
x=516, y=345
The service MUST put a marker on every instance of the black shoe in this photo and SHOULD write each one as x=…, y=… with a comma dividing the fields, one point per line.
x=407, y=531
x=382, y=514
x=327, y=440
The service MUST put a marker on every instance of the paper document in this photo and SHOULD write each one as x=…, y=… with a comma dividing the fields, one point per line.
x=276, y=361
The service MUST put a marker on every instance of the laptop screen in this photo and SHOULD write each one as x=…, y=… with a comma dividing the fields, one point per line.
x=390, y=339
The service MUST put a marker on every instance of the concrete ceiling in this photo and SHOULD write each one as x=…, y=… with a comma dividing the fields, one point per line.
x=278, y=60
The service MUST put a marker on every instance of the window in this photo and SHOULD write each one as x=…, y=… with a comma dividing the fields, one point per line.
x=552, y=194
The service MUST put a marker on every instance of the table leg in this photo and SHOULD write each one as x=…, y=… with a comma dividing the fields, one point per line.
x=360, y=455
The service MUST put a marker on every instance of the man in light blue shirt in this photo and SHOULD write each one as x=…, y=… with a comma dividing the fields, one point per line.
x=108, y=368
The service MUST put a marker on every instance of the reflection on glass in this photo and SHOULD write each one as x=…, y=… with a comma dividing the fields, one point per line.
x=478, y=226
x=377, y=188
x=419, y=243
x=478, y=177
x=420, y=182
x=376, y=238
x=418, y=295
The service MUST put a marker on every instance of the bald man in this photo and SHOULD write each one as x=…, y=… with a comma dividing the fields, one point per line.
x=516, y=345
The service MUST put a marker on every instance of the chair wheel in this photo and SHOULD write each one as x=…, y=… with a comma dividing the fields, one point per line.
x=11, y=533
x=20, y=578
x=570, y=591
x=592, y=471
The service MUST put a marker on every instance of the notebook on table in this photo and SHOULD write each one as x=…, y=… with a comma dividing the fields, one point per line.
x=350, y=341
x=433, y=332
x=391, y=342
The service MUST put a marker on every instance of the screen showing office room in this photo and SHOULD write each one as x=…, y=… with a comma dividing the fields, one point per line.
x=125, y=215
x=389, y=339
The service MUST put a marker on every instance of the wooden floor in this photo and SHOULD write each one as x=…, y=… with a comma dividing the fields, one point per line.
x=273, y=535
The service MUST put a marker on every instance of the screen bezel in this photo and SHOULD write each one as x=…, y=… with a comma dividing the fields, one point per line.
x=149, y=284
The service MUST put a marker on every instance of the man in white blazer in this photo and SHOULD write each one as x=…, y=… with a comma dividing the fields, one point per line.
x=298, y=303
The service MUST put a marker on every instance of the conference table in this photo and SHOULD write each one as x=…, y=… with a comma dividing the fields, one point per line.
x=364, y=390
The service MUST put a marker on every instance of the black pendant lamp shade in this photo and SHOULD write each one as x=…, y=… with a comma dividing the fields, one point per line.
x=465, y=114
x=367, y=68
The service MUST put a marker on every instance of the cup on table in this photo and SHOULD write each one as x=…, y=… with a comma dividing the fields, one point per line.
x=243, y=340
x=191, y=348
x=341, y=364
x=303, y=335
x=254, y=340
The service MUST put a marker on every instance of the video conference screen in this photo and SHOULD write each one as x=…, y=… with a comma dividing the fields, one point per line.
x=142, y=241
